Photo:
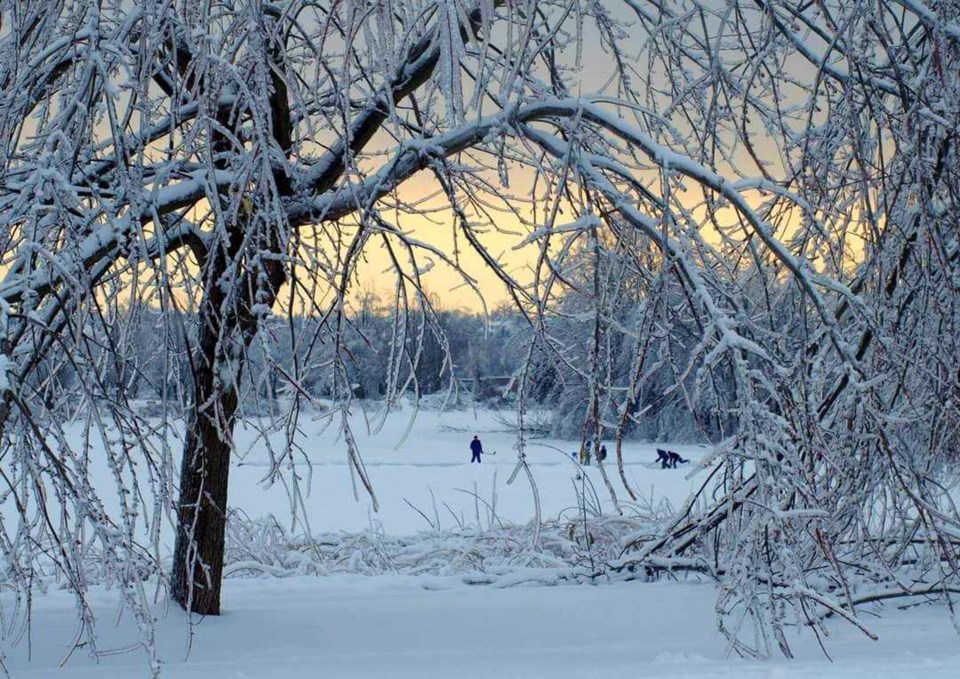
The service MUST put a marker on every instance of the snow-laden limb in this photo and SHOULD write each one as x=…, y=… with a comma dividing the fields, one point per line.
x=502, y=555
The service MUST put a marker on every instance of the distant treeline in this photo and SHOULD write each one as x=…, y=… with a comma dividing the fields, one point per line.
x=470, y=356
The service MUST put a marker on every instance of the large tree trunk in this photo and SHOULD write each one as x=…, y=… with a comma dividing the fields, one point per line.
x=204, y=473
x=228, y=324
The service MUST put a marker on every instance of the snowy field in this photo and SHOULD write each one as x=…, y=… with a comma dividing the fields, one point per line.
x=405, y=627
x=429, y=626
x=429, y=470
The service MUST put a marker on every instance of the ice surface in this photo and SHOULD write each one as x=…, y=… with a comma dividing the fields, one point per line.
x=430, y=626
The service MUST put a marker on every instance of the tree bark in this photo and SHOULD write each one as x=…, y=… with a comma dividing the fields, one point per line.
x=204, y=474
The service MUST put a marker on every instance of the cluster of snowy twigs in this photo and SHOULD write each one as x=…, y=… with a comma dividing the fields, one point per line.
x=502, y=556
x=582, y=543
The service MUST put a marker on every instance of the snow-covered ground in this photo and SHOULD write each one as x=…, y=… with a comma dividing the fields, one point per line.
x=414, y=627
x=428, y=626
x=431, y=468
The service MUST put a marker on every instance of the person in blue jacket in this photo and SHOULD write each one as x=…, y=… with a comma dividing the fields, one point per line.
x=477, y=449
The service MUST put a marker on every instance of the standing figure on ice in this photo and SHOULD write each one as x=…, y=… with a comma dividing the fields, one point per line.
x=585, y=453
x=477, y=449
